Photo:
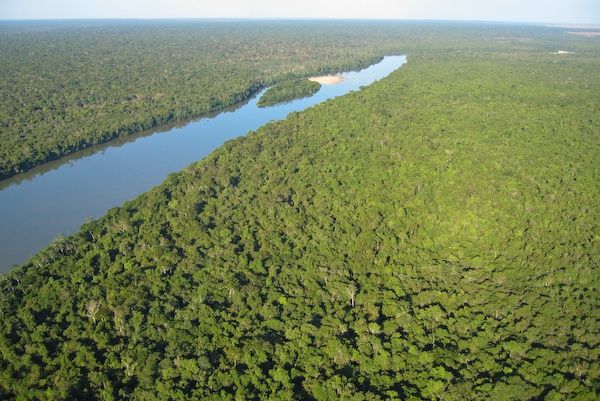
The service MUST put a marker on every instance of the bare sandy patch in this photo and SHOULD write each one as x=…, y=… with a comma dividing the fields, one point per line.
x=589, y=34
x=327, y=79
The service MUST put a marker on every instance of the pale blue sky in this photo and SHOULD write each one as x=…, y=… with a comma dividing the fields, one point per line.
x=573, y=11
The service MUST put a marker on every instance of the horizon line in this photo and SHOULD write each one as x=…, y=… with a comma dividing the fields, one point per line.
x=591, y=25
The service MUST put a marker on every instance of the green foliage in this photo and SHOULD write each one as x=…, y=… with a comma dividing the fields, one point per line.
x=287, y=91
x=432, y=236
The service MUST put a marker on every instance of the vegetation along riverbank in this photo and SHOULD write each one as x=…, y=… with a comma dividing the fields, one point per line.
x=287, y=91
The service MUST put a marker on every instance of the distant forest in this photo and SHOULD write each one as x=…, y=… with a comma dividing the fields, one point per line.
x=434, y=236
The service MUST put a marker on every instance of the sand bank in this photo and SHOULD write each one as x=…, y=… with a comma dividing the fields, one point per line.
x=327, y=79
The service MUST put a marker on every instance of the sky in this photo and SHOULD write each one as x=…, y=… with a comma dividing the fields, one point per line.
x=549, y=11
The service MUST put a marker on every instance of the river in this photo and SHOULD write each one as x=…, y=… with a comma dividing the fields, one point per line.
x=58, y=197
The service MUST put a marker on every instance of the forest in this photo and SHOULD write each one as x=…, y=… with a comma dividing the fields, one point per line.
x=433, y=236
x=287, y=91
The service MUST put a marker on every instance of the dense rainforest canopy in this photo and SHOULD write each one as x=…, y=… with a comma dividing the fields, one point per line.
x=288, y=90
x=433, y=236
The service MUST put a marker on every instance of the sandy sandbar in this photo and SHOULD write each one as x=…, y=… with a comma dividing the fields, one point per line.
x=327, y=79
